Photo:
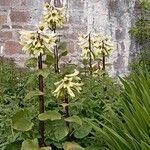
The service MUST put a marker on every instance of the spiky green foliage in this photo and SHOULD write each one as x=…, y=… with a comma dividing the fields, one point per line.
x=131, y=129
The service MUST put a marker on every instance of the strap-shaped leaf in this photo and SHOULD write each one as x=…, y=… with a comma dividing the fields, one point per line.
x=21, y=120
x=50, y=115
x=74, y=119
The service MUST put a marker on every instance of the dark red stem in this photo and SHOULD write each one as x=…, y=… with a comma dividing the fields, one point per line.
x=56, y=57
x=41, y=104
x=90, y=61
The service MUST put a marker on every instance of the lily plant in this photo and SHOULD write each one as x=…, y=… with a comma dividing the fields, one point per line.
x=39, y=43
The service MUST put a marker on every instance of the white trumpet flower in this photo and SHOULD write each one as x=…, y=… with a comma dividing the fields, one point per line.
x=36, y=42
x=53, y=17
x=69, y=84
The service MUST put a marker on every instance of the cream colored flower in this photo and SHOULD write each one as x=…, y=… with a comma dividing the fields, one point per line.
x=53, y=17
x=98, y=45
x=84, y=45
x=69, y=84
x=107, y=45
x=36, y=42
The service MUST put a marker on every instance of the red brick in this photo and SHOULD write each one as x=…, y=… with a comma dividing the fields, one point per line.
x=12, y=47
x=5, y=35
x=3, y=19
x=18, y=16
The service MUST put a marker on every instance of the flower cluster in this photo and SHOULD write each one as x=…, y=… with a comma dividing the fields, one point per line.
x=53, y=17
x=98, y=45
x=68, y=85
x=36, y=42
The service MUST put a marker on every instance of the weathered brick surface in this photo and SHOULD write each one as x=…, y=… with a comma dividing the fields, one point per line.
x=12, y=47
x=113, y=17
x=19, y=16
x=6, y=35
x=9, y=2
x=3, y=19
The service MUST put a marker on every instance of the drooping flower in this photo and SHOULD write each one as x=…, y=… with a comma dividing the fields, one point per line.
x=53, y=17
x=85, y=47
x=68, y=85
x=98, y=44
x=107, y=45
x=36, y=42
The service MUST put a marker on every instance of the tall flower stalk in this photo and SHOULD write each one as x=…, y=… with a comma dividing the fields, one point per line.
x=66, y=88
x=53, y=18
x=38, y=43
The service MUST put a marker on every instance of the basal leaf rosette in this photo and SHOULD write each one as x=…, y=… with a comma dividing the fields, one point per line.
x=36, y=42
x=68, y=85
x=53, y=17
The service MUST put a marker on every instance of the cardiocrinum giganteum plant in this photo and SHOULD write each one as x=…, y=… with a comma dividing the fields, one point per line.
x=37, y=44
x=95, y=49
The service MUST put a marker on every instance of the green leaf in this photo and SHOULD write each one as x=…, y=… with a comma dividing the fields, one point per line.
x=49, y=60
x=21, y=120
x=57, y=130
x=45, y=148
x=72, y=146
x=74, y=119
x=61, y=130
x=64, y=53
x=32, y=94
x=82, y=131
x=50, y=115
x=30, y=145
x=43, y=72
x=33, y=145
x=31, y=62
x=14, y=146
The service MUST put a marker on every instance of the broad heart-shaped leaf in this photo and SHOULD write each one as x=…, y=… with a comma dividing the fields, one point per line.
x=57, y=130
x=72, y=146
x=61, y=130
x=31, y=94
x=50, y=115
x=14, y=146
x=82, y=131
x=33, y=145
x=74, y=119
x=21, y=120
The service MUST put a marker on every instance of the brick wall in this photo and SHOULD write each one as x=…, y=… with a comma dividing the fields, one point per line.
x=112, y=17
